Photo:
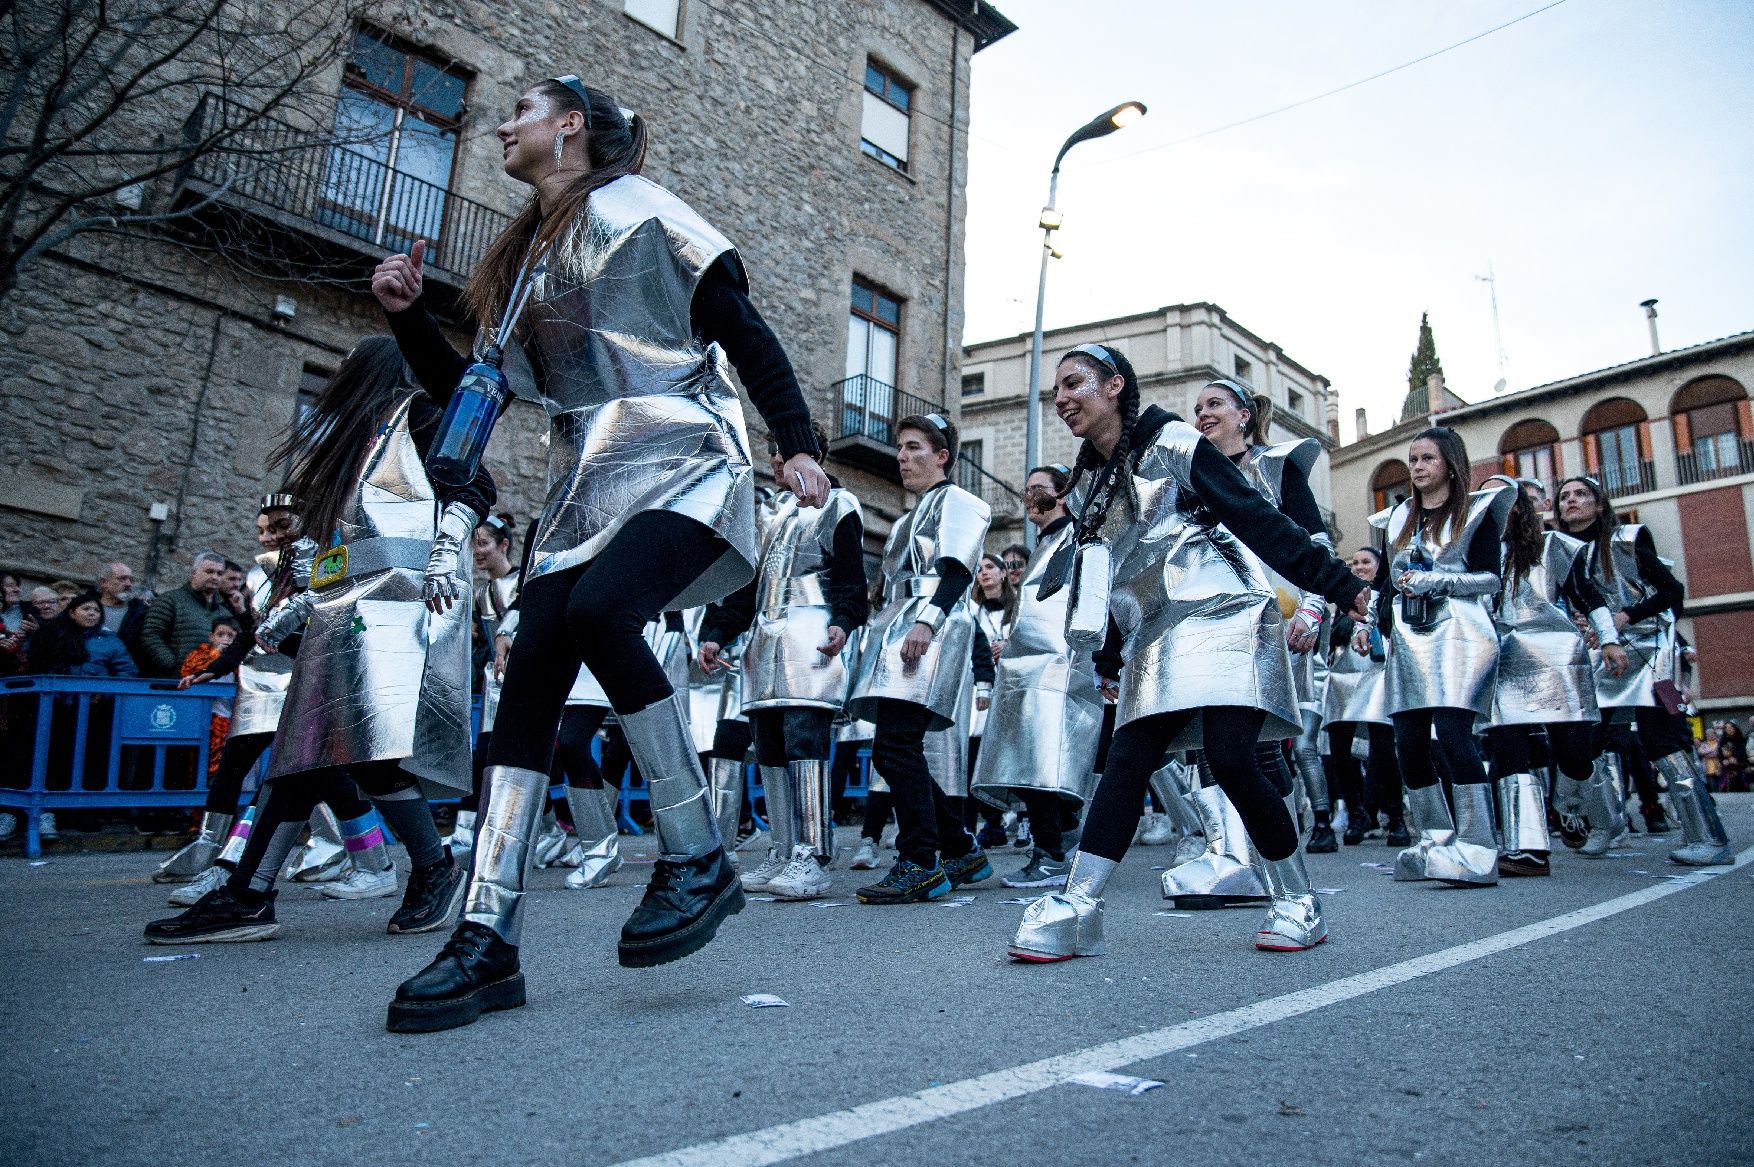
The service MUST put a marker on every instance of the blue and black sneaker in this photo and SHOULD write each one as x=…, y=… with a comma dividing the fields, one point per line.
x=907, y=883
x=970, y=868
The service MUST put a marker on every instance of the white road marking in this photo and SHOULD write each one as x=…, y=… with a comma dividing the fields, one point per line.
x=809, y=1136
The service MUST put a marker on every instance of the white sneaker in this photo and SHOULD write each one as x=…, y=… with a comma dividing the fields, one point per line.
x=8, y=825
x=866, y=857
x=46, y=826
x=1157, y=832
x=362, y=885
x=802, y=878
x=185, y=896
x=757, y=878
x=889, y=836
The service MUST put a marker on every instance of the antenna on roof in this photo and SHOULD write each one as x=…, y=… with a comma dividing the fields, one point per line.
x=1490, y=279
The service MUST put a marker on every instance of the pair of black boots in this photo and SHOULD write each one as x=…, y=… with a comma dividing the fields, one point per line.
x=477, y=970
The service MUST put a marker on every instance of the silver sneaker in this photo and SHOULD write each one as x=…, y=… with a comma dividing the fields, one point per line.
x=865, y=859
x=1041, y=871
x=209, y=880
x=362, y=885
x=802, y=878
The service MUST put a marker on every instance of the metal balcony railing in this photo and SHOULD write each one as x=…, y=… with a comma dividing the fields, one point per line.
x=1620, y=478
x=869, y=408
x=1716, y=458
x=994, y=491
x=338, y=186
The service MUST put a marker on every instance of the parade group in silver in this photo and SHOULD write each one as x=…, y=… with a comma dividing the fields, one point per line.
x=1182, y=632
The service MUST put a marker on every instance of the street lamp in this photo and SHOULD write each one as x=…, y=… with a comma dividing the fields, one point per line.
x=1119, y=117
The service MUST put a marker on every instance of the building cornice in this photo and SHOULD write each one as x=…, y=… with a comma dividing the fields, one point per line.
x=982, y=21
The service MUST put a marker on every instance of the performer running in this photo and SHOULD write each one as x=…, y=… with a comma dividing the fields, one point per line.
x=1353, y=698
x=799, y=611
x=634, y=299
x=1645, y=598
x=1047, y=708
x=1202, y=640
x=915, y=675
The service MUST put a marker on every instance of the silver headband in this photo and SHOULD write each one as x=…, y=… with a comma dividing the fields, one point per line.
x=1242, y=395
x=1101, y=354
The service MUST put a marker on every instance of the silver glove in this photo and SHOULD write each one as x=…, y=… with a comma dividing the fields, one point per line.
x=304, y=554
x=1451, y=583
x=287, y=618
x=445, y=584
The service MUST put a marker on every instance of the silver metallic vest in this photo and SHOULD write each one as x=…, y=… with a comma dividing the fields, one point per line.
x=1452, y=662
x=781, y=664
x=378, y=677
x=1046, y=714
x=1544, y=673
x=642, y=415
x=949, y=523
x=1652, y=648
x=263, y=676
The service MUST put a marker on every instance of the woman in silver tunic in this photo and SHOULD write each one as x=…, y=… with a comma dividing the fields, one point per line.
x=915, y=676
x=1545, y=680
x=379, y=691
x=496, y=594
x=634, y=303
x=1047, y=709
x=1646, y=599
x=1197, y=625
x=1352, y=698
x=1442, y=650
x=995, y=610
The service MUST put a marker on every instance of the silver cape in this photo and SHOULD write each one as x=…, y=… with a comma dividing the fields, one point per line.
x=263, y=676
x=642, y=416
x=781, y=665
x=1544, y=673
x=949, y=523
x=1046, y=714
x=1652, y=649
x=1450, y=663
x=378, y=677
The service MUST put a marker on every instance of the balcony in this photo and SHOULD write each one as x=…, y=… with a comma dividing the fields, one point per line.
x=869, y=410
x=1621, y=478
x=1720, y=457
x=1006, y=501
x=316, y=205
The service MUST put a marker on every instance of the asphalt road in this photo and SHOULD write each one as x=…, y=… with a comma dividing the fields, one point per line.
x=1620, y=1034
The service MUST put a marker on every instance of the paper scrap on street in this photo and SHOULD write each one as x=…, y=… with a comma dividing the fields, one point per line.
x=762, y=899
x=178, y=956
x=1382, y=867
x=1692, y=877
x=1099, y=1080
x=39, y=862
x=1021, y=900
x=829, y=904
x=957, y=902
x=1329, y=891
x=764, y=1001
x=1176, y=915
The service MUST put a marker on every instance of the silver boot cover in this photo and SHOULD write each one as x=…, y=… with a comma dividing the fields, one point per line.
x=1063, y=924
x=1470, y=859
x=505, y=848
x=198, y=854
x=599, y=841
x=1169, y=789
x=1522, y=812
x=659, y=740
x=782, y=810
x=812, y=811
x=1428, y=814
x=1306, y=756
x=1294, y=918
x=1224, y=869
x=727, y=780
x=1707, y=844
x=1603, y=806
x=323, y=856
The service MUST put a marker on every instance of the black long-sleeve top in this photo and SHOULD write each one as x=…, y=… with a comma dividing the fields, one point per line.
x=1667, y=592
x=985, y=672
x=1296, y=500
x=849, y=602
x=721, y=313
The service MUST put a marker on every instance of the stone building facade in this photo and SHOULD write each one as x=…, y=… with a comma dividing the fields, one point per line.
x=154, y=372
x=1175, y=350
x=1670, y=437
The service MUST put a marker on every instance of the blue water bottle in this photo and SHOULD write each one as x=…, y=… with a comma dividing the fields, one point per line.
x=479, y=399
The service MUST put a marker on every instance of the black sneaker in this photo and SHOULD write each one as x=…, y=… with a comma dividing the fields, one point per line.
x=475, y=973
x=1655, y=822
x=1524, y=863
x=434, y=894
x=684, y=904
x=1397, y=835
x=1042, y=870
x=908, y=883
x=217, y=918
x=1573, y=830
x=970, y=868
x=992, y=836
x=1321, y=840
x=1354, y=831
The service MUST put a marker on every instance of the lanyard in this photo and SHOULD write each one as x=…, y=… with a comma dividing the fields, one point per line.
x=520, y=294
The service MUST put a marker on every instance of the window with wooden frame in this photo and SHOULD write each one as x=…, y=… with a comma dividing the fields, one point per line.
x=886, y=117
x=1714, y=434
x=1391, y=484
x=873, y=343
x=1530, y=449
x=1616, y=446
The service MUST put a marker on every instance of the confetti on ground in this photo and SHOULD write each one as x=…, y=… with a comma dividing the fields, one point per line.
x=178, y=956
x=829, y=904
x=1638, y=871
x=764, y=1001
x=1021, y=899
x=1176, y=915
x=762, y=899
x=1158, y=867
x=956, y=902
x=1329, y=891
x=1098, y=1080
x=39, y=862
x=1382, y=867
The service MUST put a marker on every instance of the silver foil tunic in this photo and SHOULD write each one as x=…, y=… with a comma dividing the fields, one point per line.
x=642, y=416
x=1046, y=714
x=263, y=676
x=781, y=665
x=1651, y=646
x=378, y=677
x=1355, y=689
x=997, y=628
x=1265, y=467
x=1196, y=608
x=1544, y=672
x=491, y=605
x=1451, y=662
x=949, y=523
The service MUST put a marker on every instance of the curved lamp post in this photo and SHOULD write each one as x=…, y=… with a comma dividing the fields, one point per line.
x=1119, y=117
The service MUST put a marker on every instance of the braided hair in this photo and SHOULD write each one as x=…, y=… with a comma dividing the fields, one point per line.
x=1110, y=473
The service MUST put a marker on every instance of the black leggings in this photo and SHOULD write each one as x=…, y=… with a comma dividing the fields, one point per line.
x=791, y=735
x=1228, y=736
x=1660, y=733
x=290, y=800
x=927, y=819
x=1378, y=786
x=236, y=758
x=1571, y=744
x=572, y=747
x=596, y=614
x=1457, y=752
x=1051, y=818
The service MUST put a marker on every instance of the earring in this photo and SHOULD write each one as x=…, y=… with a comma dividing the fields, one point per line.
x=559, y=144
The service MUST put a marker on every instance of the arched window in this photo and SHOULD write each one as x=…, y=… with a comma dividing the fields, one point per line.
x=1530, y=449
x=1389, y=485
x=1712, y=429
x=1616, y=446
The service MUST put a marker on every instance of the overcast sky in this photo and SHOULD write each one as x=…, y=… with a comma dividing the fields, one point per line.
x=1595, y=155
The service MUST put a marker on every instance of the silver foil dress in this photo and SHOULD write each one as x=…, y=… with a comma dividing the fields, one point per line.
x=1544, y=672
x=781, y=667
x=493, y=603
x=1046, y=714
x=1651, y=645
x=263, y=677
x=1265, y=467
x=949, y=523
x=378, y=677
x=1452, y=661
x=1355, y=690
x=642, y=416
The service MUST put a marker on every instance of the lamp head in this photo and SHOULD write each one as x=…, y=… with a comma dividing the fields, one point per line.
x=1119, y=117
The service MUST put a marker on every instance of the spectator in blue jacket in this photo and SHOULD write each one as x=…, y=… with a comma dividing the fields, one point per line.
x=77, y=644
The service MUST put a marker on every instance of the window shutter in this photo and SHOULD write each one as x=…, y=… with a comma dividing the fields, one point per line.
x=1683, y=433
x=1644, y=441
x=1744, y=421
x=1592, y=454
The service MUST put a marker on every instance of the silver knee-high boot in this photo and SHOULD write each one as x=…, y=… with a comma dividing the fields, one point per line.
x=198, y=854
x=813, y=809
x=1064, y=924
x=1429, y=816
x=1522, y=824
x=1707, y=843
x=782, y=827
x=1221, y=876
x=1294, y=918
x=1603, y=807
x=599, y=840
x=727, y=784
x=658, y=738
x=1470, y=859
x=505, y=837
x=324, y=856
x=1169, y=790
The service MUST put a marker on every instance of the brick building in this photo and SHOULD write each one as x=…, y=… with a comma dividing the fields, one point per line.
x=1671, y=439
x=153, y=372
